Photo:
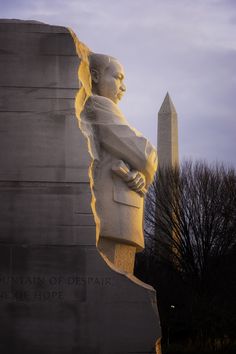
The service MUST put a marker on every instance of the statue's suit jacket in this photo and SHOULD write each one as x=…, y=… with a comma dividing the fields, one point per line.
x=111, y=138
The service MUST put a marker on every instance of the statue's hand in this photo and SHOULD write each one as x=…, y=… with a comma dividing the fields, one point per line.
x=136, y=181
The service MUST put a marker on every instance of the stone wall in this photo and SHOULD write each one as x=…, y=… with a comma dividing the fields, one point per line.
x=57, y=294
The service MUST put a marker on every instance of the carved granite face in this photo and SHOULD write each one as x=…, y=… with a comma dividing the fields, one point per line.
x=110, y=83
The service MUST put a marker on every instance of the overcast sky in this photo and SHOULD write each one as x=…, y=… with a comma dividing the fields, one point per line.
x=186, y=47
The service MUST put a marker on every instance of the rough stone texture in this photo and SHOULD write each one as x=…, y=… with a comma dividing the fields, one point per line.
x=57, y=294
x=120, y=254
x=167, y=139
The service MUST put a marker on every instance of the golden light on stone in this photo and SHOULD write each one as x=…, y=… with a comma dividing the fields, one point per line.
x=123, y=161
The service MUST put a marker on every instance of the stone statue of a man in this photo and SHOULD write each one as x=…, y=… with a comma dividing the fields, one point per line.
x=124, y=165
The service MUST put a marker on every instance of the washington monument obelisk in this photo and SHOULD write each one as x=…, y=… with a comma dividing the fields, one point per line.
x=167, y=136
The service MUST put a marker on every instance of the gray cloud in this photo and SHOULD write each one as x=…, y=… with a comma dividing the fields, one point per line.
x=185, y=47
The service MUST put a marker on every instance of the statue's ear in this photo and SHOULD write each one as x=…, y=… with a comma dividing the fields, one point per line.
x=95, y=76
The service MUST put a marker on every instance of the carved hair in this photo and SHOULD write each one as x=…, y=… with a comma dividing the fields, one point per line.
x=99, y=62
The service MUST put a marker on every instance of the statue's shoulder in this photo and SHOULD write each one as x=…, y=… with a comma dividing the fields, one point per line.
x=102, y=108
x=101, y=102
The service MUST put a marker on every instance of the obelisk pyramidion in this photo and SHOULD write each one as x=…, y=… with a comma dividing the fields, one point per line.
x=167, y=139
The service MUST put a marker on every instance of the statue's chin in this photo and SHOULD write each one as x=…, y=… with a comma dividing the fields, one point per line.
x=119, y=98
x=115, y=100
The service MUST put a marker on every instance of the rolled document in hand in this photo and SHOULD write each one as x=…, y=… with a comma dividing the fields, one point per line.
x=123, y=171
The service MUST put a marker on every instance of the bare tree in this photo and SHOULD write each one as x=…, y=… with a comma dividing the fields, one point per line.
x=191, y=215
x=190, y=226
